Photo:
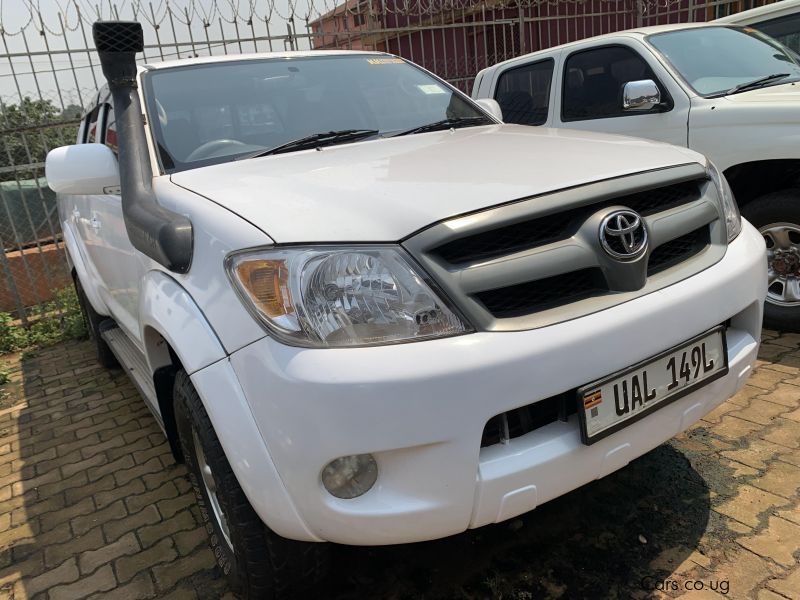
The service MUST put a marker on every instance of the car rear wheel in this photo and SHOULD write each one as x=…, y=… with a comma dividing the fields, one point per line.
x=777, y=217
x=258, y=562
x=93, y=320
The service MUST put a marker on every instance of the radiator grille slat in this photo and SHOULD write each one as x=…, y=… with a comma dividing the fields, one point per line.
x=546, y=293
x=566, y=288
x=551, y=228
x=515, y=423
x=678, y=250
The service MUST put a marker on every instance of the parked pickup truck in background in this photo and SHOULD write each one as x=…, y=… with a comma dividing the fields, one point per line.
x=779, y=20
x=729, y=93
x=365, y=311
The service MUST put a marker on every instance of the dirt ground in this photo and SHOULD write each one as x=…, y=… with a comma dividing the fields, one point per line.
x=92, y=504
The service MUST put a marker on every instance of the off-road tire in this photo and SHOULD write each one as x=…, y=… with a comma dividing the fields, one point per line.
x=263, y=565
x=93, y=320
x=778, y=207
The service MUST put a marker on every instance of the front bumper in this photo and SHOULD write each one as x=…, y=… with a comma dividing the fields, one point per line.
x=420, y=408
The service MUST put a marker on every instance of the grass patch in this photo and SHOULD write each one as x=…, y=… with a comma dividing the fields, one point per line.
x=59, y=320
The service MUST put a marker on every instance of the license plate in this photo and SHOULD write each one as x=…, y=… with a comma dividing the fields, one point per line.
x=618, y=400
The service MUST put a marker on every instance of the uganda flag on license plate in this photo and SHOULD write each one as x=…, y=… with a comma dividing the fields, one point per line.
x=592, y=399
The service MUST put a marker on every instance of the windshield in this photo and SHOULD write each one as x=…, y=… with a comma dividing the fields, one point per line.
x=714, y=60
x=216, y=112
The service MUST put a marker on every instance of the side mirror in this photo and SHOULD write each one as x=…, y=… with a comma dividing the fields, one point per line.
x=640, y=95
x=491, y=106
x=89, y=169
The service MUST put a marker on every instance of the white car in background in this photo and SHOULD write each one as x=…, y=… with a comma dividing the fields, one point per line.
x=730, y=93
x=780, y=20
x=366, y=312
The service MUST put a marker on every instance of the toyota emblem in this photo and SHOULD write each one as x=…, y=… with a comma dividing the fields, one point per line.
x=623, y=234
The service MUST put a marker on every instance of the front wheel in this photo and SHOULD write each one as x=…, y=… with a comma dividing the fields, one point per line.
x=258, y=562
x=777, y=217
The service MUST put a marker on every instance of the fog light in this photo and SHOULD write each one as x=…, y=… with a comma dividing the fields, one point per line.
x=350, y=476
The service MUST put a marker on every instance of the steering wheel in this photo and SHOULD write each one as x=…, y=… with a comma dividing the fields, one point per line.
x=209, y=149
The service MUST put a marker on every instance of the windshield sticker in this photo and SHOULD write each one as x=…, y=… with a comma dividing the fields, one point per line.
x=431, y=88
x=385, y=61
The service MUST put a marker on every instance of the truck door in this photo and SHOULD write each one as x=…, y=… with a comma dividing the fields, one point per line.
x=75, y=210
x=592, y=82
x=118, y=265
x=523, y=92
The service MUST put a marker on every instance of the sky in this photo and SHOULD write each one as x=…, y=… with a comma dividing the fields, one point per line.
x=69, y=77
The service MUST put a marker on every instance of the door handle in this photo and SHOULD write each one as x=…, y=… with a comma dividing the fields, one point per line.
x=94, y=223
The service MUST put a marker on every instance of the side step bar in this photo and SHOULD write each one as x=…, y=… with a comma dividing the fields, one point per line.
x=131, y=359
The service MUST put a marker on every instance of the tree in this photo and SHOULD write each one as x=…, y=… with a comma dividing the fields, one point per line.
x=71, y=112
x=29, y=130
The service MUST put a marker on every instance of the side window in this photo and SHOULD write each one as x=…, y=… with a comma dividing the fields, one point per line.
x=784, y=29
x=110, y=134
x=92, y=134
x=593, y=82
x=524, y=93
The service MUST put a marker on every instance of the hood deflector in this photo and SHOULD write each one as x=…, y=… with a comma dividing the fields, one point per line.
x=163, y=235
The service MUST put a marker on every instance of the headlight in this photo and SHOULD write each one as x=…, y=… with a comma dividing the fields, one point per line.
x=341, y=296
x=733, y=220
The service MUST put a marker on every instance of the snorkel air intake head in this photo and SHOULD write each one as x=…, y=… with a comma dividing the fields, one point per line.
x=117, y=44
x=163, y=235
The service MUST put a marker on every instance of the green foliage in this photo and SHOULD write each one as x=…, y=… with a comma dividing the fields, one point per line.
x=61, y=319
x=5, y=374
x=50, y=127
x=73, y=323
x=12, y=337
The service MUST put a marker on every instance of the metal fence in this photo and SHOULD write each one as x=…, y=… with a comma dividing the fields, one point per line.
x=48, y=73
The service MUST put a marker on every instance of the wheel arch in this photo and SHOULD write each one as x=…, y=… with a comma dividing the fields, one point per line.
x=164, y=364
x=753, y=179
x=175, y=335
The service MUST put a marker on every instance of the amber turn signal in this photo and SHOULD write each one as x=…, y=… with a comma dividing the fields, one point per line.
x=267, y=284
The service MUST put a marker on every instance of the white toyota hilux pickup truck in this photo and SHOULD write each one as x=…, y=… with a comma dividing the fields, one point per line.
x=730, y=93
x=779, y=20
x=365, y=311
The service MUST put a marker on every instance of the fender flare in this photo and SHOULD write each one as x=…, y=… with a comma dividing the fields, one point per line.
x=247, y=451
x=167, y=309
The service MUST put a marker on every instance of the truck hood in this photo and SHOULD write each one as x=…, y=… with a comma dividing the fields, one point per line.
x=385, y=189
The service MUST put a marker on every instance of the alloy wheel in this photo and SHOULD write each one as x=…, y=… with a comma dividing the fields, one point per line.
x=210, y=485
x=783, y=255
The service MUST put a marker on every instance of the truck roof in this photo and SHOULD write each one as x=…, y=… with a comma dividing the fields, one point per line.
x=638, y=32
x=762, y=13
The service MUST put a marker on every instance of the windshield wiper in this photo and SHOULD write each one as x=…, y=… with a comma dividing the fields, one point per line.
x=315, y=140
x=751, y=85
x=450, y=123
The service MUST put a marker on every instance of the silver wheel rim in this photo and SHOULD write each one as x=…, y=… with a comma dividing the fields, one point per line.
x=783, y=256
x=210, y=484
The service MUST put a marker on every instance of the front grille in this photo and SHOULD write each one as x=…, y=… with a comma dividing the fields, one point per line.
x=524, y=298
x=515, y=423
x=678, y=250
x=537, y=262
x=551, y=228
x=551, y=292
